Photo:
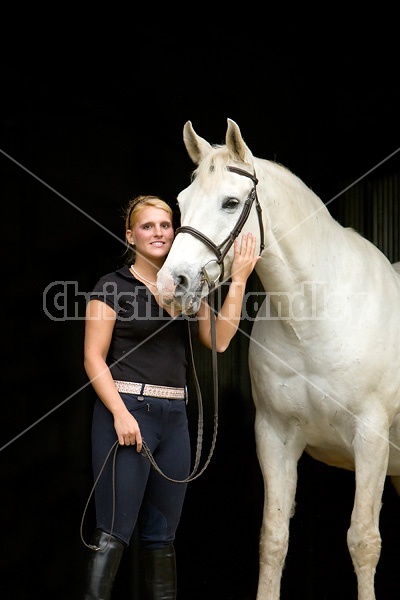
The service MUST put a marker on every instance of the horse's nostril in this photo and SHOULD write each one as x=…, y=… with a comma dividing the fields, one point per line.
x=182, y=285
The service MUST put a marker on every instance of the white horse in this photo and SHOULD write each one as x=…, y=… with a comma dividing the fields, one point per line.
x=324, y=353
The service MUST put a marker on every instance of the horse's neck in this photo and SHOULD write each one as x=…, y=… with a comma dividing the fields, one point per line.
x=299, y=231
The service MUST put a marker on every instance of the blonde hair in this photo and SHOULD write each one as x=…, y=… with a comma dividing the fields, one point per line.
x=132, y=211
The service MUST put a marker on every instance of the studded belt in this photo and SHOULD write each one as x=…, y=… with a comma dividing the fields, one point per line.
x=147, y=389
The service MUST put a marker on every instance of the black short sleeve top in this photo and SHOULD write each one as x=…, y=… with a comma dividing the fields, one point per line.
x=148, y=345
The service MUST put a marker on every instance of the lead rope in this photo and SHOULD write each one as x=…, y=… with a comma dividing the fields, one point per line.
x=91, y=546
x=145, y=449
x=194, y=475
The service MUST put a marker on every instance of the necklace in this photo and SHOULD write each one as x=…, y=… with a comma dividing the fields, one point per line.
x=141, y=277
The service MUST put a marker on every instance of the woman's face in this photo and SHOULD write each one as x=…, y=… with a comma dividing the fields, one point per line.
x=152, y=233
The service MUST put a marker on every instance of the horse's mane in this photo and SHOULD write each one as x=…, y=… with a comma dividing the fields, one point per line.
x=280, y=175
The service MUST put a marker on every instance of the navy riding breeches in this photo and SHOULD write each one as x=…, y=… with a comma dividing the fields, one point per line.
x=143, y=497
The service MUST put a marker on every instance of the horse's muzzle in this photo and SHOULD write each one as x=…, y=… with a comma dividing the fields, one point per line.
x=178, y=291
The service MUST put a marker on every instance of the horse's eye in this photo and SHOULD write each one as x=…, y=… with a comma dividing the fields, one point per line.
x=230, y=203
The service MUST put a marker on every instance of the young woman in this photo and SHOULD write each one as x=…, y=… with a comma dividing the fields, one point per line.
x=136, y=360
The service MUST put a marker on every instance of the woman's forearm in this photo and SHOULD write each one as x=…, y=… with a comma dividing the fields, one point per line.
x=228, y=319
x=226, y=322
x=101, y=379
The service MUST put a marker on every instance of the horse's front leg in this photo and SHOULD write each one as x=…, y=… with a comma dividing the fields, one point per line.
x=363, y=537
x=278, y=455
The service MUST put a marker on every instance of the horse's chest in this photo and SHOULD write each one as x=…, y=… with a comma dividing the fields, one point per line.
x=310, y=404
x=296, y=386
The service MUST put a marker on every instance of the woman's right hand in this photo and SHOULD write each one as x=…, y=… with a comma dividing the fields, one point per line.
x=127, y=430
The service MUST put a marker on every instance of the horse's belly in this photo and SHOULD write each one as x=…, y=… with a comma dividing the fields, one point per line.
x=334, y=456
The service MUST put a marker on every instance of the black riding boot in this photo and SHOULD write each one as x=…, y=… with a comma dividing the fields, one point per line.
x=158, y=574
x=103, y=566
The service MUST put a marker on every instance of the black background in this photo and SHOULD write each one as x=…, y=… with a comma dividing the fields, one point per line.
x=82, y=131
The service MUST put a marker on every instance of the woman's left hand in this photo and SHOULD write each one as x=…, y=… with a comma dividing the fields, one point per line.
x=244, y=259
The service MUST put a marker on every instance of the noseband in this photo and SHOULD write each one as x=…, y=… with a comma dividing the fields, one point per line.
x=222, y=249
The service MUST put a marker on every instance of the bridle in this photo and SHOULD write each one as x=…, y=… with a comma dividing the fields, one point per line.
x=220, y=251
x=223, y=248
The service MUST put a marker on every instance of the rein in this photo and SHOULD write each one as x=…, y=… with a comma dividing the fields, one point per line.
x=194, y=475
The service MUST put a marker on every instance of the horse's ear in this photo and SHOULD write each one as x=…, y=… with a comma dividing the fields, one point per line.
x=196, y=146
x=236, y=145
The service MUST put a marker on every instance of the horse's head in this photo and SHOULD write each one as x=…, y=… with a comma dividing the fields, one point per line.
x=215, y=208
